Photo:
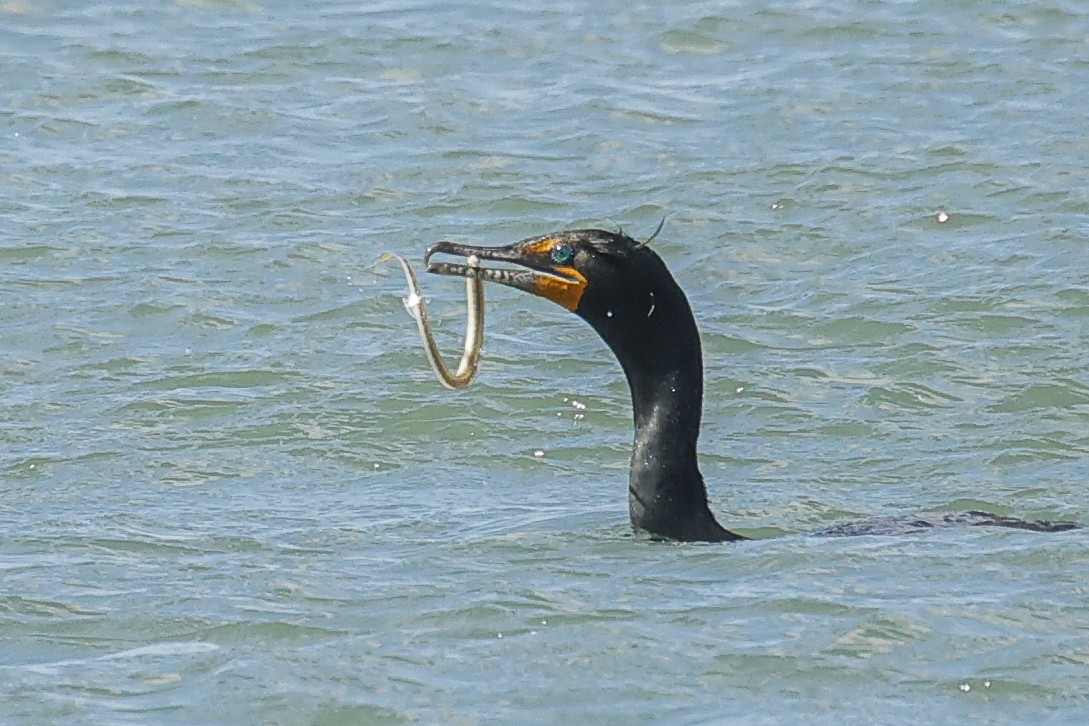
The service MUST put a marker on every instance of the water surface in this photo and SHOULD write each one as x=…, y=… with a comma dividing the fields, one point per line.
x=232, y=492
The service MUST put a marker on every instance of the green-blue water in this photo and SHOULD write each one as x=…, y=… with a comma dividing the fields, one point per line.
x=232, y=493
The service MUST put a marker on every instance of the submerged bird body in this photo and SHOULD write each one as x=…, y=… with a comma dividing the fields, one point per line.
x=624, y=290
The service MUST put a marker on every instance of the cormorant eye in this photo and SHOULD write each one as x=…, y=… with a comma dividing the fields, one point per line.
x=563, y=254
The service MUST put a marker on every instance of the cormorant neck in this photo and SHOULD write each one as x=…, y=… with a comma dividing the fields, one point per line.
x=663, y=362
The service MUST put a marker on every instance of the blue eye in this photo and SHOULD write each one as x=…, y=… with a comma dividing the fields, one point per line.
x=563, y=254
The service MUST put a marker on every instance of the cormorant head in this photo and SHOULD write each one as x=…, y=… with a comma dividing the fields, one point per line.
x=624, y=291
x=609, y=279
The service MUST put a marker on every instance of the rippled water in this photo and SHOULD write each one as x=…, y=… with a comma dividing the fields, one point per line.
x=232, y=493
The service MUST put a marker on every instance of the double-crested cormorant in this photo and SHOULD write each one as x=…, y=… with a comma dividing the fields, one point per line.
x=624, y=291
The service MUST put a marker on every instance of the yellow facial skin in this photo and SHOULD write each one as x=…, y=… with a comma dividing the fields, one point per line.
x=566, y=290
